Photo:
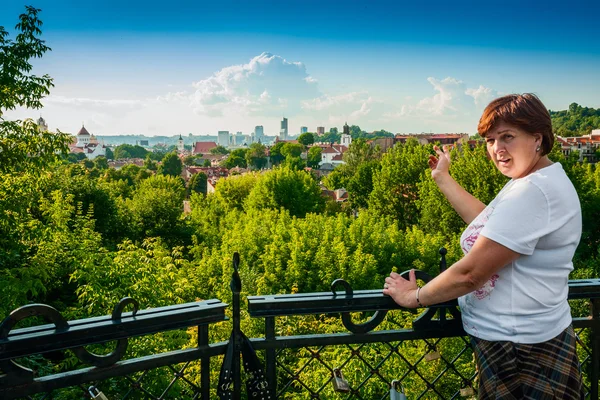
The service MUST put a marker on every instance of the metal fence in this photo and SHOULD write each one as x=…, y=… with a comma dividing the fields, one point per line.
x=338, y=344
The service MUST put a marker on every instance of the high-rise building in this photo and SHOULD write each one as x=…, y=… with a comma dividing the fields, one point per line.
x=239, y=139
x=283, y=132
x=259, y=132
x=320, y=130
x=223, y=138
x=303, y=129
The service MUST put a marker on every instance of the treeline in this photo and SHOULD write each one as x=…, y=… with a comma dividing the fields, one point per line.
x=575, y=121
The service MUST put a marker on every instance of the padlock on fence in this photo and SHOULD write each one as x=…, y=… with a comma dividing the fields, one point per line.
x=467, y=392
x=397, y=391
x=432, y=355
x=96, y=394
x=339, y=383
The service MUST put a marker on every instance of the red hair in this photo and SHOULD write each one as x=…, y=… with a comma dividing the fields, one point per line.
x=525, y=111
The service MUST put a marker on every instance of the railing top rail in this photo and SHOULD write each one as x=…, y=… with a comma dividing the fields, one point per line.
x=62, y=334
x=366, y=300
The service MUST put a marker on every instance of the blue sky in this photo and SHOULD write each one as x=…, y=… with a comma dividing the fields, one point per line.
x=164, y=68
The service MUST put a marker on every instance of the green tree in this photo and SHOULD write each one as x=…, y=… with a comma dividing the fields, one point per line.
x=395, y=192
x=129, y=151
x=256, y=156
x=292, y=150
x=206, y=163
x=109, y=154
x=359, y=152
x=233, y=190
x=360, y=185
x=338, y=178
x=275, y=153
x=237, y=158
x=197, y=183
x=101, y=163
x=22, y=145
x=313, y=158
x=150, y=164
x=219, y=150
x=296, y=191
x=171, y=165
x=189, y=160
x=306, y=139
x=156, y=207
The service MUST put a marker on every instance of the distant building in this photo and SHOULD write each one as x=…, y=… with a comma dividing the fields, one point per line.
x=346, y=139
x=42, y=126
x=320, y=130
x=203, y=147
x=283, y=132
x=180, y=145
x=303, y=129
x=223, y=138
x=331, y=154
x=585, y=145
x=143, y=143
x=258, y=134
x=88, y=144
x=238, y=139
x=441, y=138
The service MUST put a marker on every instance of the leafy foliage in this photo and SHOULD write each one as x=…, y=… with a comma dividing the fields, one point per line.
x=575, y=121
x=130, y=151
x=295, y=191
x=171, y=165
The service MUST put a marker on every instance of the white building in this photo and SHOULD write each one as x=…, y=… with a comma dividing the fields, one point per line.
x=88, y=144
x=180, y=145
x=223, y=138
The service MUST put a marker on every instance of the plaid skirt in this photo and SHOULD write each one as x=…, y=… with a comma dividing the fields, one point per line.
x=541, y=371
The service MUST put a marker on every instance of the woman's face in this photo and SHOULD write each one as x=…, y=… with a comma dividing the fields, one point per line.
x=513, y=150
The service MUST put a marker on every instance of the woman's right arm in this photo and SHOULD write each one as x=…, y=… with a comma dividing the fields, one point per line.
x=463, y=202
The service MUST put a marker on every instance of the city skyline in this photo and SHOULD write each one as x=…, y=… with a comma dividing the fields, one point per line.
x=165, y=69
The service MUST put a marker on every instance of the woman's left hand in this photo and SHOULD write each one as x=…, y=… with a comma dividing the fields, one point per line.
x=402, y=290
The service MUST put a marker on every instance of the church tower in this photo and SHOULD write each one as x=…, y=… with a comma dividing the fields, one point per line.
x=346, y=139
x=42, y=125
x=180, y=146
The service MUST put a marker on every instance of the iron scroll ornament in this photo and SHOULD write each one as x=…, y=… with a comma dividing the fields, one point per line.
x=378, y=317
x=15, y=371
x=51, y=315
x=111, y=358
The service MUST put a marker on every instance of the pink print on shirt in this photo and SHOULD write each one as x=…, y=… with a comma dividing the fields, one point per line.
x=468, y=240
x=486, y=289
x=472, y=232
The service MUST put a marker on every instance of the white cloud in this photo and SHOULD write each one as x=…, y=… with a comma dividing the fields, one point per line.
x=88, y=102
x=267, y=85
x=482, y=95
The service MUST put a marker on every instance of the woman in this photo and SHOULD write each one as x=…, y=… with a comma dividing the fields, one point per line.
x=512, y=282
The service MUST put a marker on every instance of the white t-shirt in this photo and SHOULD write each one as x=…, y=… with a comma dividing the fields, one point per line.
x=538, y=216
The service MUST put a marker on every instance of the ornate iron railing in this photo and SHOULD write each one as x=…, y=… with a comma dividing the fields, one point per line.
x=307, y=351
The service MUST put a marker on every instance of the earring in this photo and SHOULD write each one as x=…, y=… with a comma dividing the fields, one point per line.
x=537, y=148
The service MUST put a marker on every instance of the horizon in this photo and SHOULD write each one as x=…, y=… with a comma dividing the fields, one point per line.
x=158, y=69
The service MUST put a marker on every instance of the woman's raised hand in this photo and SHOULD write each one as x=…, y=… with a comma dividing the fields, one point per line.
x=441, y=163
